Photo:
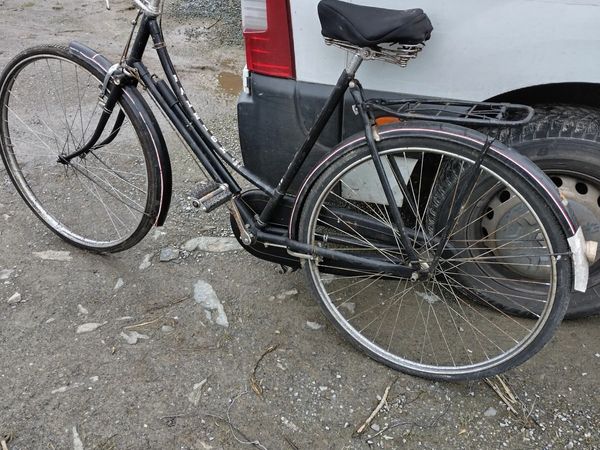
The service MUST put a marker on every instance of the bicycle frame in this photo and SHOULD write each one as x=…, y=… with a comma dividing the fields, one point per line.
x=217, y=161
x=173, y=101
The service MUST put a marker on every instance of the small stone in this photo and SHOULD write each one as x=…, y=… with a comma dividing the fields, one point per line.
x=158, y=234
x=14, y=299
x=82, y=310
x=132, y=337
x=167, y=329
x=88, y=327
x=196, y=394
x=119, y=284
x=291, y=425
x=375, y=427
x=168, y=254
x=50, y=320
x=94, y=379
x=313, y=325
x=5, y=274
x=212, y=244
x=77, y=444
x=205, y=296
x=124, y=318
x=286, y=294
x=54, y=255
x=60, y=390
x=147, y=262
x=490, y=412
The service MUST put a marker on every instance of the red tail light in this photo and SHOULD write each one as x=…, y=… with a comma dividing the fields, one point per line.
x=268, y=36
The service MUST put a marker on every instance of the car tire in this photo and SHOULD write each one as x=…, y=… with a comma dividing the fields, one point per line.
x=564, y=141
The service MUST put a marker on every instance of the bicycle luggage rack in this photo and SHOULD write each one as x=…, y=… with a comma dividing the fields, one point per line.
x=466, y=113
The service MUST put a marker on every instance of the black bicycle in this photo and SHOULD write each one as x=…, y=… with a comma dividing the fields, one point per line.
x=412, y=268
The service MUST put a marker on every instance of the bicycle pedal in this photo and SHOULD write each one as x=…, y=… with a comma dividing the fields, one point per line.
x=210, y=196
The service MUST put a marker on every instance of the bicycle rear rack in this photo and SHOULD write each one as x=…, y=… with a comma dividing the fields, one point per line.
x=461, y=112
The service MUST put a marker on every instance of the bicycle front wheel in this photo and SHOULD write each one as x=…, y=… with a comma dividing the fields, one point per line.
x=104, y=200
x=448, y=325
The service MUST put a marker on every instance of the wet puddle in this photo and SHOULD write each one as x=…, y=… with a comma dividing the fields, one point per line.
x=230, y=82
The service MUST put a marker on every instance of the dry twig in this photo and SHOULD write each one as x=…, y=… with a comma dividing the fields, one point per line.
x=254, y=383
x=383, y=401
x=291, y=443
x=501, y=387
x=247, y=441
x=158, y=307
x=5, y=439
x=413, y=424
x=143, y=324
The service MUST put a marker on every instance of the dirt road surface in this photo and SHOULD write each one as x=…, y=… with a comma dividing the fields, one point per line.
x=155, y=372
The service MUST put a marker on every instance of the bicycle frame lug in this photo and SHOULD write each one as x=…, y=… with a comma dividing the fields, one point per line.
x=246, y=237
x=107, y=77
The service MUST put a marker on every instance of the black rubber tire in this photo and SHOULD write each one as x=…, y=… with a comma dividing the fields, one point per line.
x=565, y=139
x=136, y=114
x=552, y=315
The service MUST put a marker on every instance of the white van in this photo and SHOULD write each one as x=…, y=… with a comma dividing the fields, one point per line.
x=544, y=53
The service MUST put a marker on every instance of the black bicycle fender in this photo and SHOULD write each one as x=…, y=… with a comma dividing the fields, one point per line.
x=537, y=180
x=140, y=106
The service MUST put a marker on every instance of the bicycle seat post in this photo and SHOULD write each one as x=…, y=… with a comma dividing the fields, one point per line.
x=354, y=64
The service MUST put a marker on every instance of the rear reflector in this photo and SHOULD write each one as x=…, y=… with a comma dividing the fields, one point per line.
x=254, y=16
x=268, y=36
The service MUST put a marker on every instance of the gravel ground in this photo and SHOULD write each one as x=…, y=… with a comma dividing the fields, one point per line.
x=226, y=14
x=175, y=344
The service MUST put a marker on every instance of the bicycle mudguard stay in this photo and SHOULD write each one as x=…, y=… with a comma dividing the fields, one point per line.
x=141, y=108
x=473, y=139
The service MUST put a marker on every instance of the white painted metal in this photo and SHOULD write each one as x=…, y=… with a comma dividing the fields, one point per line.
x=362, y=183
x=479, y=48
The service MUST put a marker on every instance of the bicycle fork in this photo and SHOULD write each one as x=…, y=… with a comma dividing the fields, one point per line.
x=108, y=101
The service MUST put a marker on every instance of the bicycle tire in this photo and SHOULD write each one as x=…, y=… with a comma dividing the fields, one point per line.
x=104, y=201
x=459, y=353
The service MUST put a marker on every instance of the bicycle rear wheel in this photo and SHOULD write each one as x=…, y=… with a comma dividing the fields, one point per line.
x=105, y=200
x=446, y=326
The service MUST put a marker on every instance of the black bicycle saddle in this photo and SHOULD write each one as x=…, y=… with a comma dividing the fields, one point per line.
x=366, y=26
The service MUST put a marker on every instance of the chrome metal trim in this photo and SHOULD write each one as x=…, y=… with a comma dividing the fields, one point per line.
x=399, y=54
x=150, y=7
x=354, y=64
